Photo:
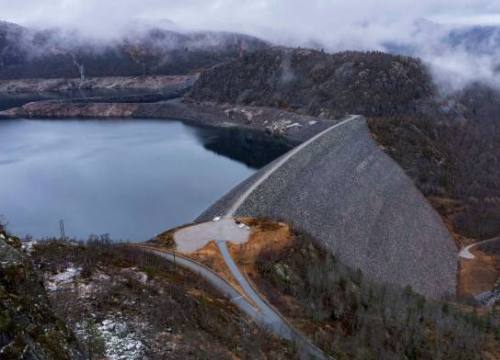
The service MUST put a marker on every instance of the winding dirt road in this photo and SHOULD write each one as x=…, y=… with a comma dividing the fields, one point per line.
x=262, y=313
x=465, y=252
x=259, y=309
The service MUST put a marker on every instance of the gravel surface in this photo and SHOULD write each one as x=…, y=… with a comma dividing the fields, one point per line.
x=358, y=203
x=260, y=311
x=465, y=252
x=192, y=238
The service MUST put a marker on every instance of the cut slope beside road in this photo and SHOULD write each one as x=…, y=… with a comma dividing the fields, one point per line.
x=262, y=313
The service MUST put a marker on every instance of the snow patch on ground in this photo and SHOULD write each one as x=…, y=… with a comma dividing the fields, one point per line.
x=120, y=342
x=138, y=275
x=489, y=298
x=27, y=245
x=63, y=278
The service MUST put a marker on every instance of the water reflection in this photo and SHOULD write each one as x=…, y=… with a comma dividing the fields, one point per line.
x=250, y=147
x=130, y=178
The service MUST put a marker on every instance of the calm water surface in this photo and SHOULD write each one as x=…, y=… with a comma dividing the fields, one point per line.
x=130, y=179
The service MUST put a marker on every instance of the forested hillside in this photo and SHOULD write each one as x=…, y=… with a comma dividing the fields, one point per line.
x=53, y=53
x=448, y=144
x=316, y=83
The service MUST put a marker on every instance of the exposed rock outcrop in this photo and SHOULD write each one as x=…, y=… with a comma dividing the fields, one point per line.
x=287, y=125
x=28, y=327
x=144, y=83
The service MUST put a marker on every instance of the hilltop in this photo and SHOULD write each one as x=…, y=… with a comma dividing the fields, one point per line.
x=317, y=83
x=445, y=143
x=54, y=53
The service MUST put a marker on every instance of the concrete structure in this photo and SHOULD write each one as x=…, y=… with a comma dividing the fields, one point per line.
x=347, y=193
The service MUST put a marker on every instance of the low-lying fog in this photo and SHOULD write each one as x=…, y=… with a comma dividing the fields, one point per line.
x=458, y=38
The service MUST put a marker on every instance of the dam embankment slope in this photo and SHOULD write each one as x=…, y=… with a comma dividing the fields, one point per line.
x=347, y=193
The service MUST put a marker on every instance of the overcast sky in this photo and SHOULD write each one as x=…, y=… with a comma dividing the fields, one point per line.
x=329, y=21
x=332, y=24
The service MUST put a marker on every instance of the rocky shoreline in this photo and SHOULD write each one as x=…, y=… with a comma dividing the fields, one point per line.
x=291, y=126
x=153, y=97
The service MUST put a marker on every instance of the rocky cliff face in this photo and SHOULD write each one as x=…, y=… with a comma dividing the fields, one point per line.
x=317, y=83
x=28, y=328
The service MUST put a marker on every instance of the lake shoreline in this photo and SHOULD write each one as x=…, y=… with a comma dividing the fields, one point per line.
x=128, y=178
x=289, y=126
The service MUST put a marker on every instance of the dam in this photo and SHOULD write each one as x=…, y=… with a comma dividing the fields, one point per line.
x=342, y=189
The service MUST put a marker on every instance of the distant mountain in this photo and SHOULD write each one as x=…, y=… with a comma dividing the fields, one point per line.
x=433, y=37
x=475, y=39
x=54, y=53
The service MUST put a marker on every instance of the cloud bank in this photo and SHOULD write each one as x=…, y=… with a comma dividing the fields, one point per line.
x=330, y=24
x=330, y=21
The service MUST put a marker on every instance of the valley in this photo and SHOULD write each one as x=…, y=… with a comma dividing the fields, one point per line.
x=212, y=195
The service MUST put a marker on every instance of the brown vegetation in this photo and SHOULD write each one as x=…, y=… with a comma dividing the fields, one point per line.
x=209, y=255
x=265, y=234
x=176, y=314
x=479, y=274
x=447, y=145
x=314, y=82
x=456, y=165
x=351, y=317
x=29, y=329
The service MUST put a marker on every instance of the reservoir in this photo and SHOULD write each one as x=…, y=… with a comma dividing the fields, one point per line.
x=127, y=178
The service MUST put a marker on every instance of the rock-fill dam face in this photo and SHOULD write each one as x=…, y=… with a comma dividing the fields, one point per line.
x=347, y=193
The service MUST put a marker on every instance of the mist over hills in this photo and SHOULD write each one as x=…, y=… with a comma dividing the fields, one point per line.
x=56, y=53
x=428, y=36
x=314, y=82
x=432, y=103
x=476, y=39
x=457, y=55
x=446, y=143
